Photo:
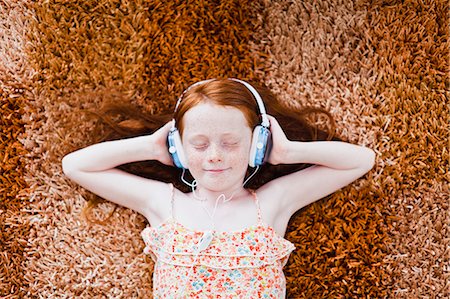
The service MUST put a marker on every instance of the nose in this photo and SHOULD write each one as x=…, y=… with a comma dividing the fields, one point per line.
x=214, y=153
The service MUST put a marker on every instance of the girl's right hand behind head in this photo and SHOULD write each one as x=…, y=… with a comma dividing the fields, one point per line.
x=160, y=148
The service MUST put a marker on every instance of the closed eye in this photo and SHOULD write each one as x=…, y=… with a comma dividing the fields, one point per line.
x=230, y=144
x=200, y=146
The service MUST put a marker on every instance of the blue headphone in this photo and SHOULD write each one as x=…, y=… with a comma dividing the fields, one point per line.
x=260, y=141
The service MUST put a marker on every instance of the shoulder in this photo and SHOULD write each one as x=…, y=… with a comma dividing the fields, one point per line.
x=162, y=206
x=270, y=201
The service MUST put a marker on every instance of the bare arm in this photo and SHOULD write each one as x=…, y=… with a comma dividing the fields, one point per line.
x=93, y=168
x=337, y=165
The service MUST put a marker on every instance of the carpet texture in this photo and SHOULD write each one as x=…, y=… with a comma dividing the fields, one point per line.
x=381, y=68
x=15, y=75
x=411, y=47
x=318, y=55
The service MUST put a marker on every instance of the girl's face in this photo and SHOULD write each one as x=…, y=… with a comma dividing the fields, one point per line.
x=216, y=141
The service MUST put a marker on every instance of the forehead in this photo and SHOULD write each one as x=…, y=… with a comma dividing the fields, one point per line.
x=212, y=118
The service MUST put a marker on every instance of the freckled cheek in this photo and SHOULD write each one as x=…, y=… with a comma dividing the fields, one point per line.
x=195, y=159
x=241, y=158
x=239, y=161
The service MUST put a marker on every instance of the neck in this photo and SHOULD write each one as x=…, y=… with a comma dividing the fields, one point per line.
x=211, y=196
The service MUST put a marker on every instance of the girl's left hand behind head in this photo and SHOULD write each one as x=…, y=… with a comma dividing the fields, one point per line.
x=279, y=142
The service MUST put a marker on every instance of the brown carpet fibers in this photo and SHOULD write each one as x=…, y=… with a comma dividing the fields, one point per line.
x=411, y=46
x=148, y=50
x=13, y=232
x=318, y=55
x=14, y=80
x=381, y=68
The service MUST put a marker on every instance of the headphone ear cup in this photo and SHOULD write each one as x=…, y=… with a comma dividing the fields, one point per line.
x=260, y=146
x=176, y=149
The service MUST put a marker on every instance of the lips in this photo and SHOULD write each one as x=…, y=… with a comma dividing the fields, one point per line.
x=216, y=170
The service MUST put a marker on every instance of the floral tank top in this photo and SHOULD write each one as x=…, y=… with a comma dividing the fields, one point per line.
x=240, y=264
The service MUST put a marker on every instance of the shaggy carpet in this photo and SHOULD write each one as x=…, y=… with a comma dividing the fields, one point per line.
x=381, y=68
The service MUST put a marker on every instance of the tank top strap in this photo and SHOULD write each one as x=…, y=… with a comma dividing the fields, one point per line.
x=171, y=201
x=258, y=208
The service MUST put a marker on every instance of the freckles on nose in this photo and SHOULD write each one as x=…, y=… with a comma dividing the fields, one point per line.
x=213, y=153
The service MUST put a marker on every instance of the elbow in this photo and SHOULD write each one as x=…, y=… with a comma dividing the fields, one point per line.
x=370, y=160
x=67, y=165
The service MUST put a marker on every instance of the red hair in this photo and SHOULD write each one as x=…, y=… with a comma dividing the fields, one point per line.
x=222, y=92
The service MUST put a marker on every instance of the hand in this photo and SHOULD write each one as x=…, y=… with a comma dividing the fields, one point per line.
x=160, y=148
x=280, y=143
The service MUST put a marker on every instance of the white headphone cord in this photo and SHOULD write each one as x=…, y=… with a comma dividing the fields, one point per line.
x=248, y=179
x=192, y=185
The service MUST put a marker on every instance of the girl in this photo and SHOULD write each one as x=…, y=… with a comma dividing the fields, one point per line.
x=221, y=239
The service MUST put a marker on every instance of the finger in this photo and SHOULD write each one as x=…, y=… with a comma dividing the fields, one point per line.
x=273, y=122
x=167, y=126
x=170, y=123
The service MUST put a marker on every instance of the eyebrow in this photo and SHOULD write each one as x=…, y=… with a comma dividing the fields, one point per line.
x=224, y=135
x=201, y=137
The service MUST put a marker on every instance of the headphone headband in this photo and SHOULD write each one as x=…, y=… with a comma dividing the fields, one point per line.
x=262, y=110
